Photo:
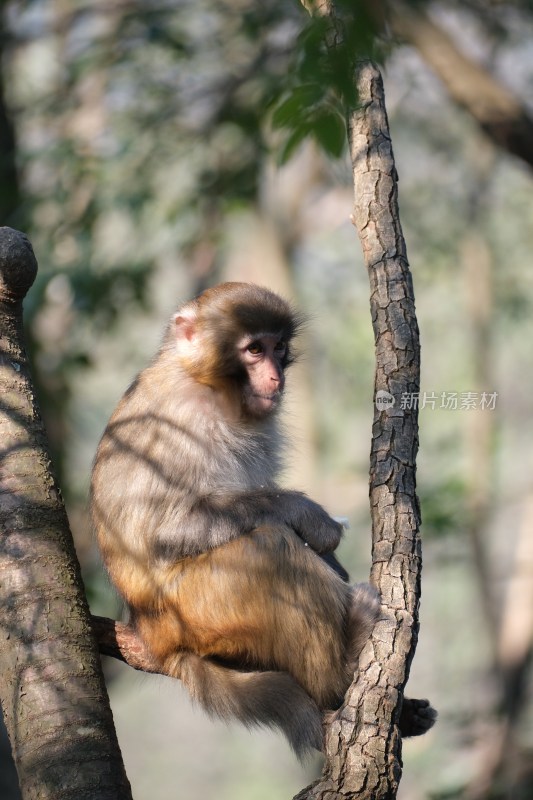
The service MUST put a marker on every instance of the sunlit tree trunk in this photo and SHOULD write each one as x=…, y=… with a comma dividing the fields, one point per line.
x=52, y=690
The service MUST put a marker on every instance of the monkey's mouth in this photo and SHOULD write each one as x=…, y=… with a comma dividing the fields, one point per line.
x=268, y=398
x=263, y=403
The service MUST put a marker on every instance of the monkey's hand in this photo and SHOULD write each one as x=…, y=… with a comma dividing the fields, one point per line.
x=312, y=523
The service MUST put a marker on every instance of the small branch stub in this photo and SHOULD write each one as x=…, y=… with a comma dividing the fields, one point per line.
x=18, y=266
x=120, y=641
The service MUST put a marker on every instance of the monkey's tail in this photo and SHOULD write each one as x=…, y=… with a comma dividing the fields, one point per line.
x=255, y=698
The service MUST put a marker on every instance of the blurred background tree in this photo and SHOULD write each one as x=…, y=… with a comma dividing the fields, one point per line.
x=152, y=148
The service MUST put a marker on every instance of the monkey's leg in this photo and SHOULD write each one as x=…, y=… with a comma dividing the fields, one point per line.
x=238, y=604
x=266, y=601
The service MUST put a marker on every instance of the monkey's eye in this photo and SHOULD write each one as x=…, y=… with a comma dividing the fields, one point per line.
x=255, y=348
x=281, y=346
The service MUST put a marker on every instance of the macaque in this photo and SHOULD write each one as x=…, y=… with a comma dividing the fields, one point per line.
x=231, y=582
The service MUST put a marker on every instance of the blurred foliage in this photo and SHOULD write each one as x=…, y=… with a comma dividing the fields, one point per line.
x=155, y=117
x=141, y=125
x=443, y=504
x=321, y=88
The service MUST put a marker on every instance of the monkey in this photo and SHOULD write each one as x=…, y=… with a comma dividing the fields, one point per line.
x=231, y=582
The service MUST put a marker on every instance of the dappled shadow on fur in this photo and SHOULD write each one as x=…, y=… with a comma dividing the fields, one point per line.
x=216, y=562
x=260, y=628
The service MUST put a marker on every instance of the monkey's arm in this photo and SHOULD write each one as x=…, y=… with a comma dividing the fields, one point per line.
x=216, y=518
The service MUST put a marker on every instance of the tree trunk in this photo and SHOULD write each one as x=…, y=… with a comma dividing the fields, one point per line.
x=52, y=689
x=363, y=744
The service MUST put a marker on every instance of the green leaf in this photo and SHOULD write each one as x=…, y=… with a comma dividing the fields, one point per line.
x=329, y=130
x=291, y=143
x=296, y=105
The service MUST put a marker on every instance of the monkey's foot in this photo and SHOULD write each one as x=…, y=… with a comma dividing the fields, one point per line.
x=417, y=717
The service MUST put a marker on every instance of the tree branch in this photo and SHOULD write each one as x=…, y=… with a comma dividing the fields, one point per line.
x=365, y=733
x=496, y=110
x=120, y=641
x=363, y=742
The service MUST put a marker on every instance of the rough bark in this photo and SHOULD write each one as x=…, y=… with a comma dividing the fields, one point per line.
x=363, y=745
x=51, y=689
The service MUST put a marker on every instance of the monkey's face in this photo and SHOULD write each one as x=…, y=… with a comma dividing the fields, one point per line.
x=236, y=338
x=263, y=358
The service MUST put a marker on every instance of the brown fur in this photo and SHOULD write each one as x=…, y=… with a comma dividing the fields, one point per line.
x=220, y=568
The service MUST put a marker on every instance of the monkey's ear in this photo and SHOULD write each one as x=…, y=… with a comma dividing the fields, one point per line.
x=185, y=325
